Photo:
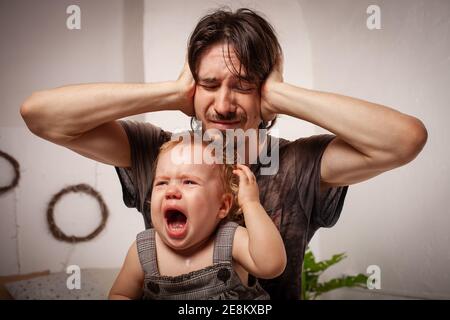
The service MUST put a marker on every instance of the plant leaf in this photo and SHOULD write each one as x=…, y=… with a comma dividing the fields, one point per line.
x=323, y=265
x=358, y=280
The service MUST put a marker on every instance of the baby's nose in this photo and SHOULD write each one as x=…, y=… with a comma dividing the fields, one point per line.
x=172, y=191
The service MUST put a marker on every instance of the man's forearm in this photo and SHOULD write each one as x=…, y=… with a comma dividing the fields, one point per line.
x=70, y=111
x=368, y=127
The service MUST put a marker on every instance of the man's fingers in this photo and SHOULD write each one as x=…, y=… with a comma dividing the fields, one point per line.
x=280, y=62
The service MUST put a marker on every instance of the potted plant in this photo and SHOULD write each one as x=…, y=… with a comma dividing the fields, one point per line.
x=312, y=270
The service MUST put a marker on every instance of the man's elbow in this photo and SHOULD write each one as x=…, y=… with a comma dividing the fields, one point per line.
x=40, y=121
x=414, y=142
x=30, y=112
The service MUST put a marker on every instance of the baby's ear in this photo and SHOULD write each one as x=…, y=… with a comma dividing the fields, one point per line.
x=226, y=203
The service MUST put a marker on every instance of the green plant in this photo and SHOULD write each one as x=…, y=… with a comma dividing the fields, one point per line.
x=312, y=288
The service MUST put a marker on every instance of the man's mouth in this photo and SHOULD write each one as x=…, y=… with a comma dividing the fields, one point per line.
x=176, y=223
x=225, y=123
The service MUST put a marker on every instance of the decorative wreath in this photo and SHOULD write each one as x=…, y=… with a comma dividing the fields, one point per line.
x=16, y=167
x=79, y=188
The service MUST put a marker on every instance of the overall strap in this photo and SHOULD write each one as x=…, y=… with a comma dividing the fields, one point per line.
x=223, y=244
x=146, y=247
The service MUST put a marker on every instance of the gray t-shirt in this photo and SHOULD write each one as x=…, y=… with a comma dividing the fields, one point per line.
x=291, y=197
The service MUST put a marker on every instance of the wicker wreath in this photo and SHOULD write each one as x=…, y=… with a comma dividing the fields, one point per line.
x=79, y=188
x=16, y=167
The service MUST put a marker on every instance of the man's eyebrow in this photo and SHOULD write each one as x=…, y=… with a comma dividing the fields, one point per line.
x=215, y=80
x=208, y=80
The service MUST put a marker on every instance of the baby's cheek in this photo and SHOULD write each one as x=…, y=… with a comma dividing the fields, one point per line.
x=155, y=203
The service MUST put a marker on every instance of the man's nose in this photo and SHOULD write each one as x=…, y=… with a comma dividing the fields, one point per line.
x=224, y=102
x=172, y=191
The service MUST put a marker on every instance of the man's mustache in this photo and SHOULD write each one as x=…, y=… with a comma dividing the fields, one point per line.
x=230, y=116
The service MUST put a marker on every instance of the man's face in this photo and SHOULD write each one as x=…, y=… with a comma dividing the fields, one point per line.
x=221, y=101
x=187, y=200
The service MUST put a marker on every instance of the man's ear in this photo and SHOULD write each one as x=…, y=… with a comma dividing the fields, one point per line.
x=226, y=203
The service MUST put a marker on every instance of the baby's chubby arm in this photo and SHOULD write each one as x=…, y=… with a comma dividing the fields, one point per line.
x=259, y=247
x=129, y=282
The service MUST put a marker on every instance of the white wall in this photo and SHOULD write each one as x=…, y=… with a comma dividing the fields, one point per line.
x=399, y=220
x=39, y=52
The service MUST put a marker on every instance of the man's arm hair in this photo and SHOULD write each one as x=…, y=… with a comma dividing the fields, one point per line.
x=83, y=117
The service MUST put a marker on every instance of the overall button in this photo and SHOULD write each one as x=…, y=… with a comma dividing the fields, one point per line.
x=153, y=287
x=223, y=274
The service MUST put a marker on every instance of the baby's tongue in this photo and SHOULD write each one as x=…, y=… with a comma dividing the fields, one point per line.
x=177, y=220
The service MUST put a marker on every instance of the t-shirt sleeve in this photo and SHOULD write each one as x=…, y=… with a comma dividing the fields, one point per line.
x=145, y=140
x=324, y=207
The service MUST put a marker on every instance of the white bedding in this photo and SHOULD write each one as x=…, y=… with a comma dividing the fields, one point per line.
x=95, y=285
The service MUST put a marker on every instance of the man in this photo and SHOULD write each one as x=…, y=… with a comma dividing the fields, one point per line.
x=233, y=79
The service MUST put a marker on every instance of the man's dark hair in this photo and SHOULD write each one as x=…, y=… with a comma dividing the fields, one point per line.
x=253, y=38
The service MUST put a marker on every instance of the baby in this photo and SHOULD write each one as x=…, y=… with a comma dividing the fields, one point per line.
x=195, y=250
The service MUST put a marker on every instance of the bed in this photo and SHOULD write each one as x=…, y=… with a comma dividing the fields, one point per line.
x=95, y=284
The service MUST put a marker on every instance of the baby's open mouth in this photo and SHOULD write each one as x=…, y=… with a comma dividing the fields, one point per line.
x=176, y=219
x=176, y=222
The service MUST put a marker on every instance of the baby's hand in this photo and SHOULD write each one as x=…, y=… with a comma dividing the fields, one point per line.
x=248, y=187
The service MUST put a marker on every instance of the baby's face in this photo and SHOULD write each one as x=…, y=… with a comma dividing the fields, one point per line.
x=188, y=200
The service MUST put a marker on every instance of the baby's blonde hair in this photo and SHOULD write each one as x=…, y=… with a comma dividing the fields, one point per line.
x=230, y=182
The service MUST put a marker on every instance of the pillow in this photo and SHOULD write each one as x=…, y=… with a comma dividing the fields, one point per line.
x=95, y=285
